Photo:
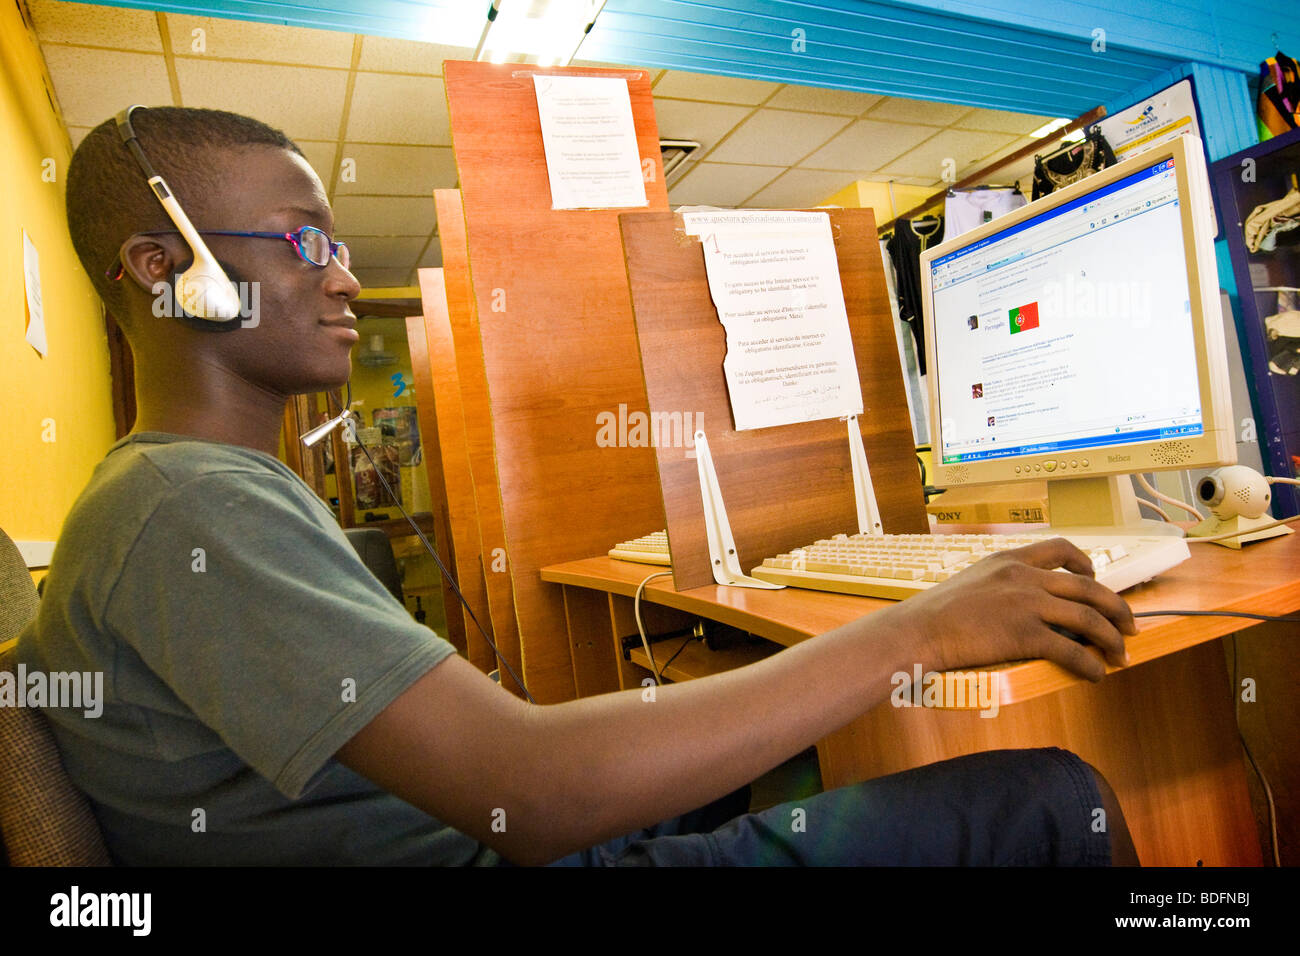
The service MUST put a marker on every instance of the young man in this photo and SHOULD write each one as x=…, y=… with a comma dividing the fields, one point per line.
x=267, y=701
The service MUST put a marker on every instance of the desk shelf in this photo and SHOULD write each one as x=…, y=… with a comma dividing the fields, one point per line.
x=1162, y=730
x=696, y=660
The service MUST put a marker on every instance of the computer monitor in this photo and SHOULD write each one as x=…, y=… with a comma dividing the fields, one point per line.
x=1079, y=339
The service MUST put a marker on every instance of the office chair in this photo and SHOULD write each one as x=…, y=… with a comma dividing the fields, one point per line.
x=44, y=819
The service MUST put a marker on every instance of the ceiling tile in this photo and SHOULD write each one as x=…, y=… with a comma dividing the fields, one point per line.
x=721, y=184
x=384, y=215
x=960, y=146
x=1021, y=171
x=814, y=100
x=925, y=112
x=381, y=278
x=866, y=145
x=1001, y=122
x=399, y=170
x=777, y=137
x=399, y=109
x=391, y=55
x=719, y=89
x=86, y=100
x=321, y=157
x=432, y=257
x=91, y=25
x=800, y=189
x=706, y=123
x=77, y=134
x=385, y=252
x=303, y=102
x=271, y=42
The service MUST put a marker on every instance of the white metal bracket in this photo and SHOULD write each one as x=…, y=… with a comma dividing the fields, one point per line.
x=722, y=546
x=863, y=491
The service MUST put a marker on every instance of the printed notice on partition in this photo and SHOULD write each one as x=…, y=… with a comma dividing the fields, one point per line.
x=775, y=282
x=590, y=142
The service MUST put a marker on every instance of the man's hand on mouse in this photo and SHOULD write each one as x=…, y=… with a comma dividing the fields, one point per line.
x=1003, y=607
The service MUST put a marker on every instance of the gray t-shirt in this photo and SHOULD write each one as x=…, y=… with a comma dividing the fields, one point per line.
x=242, y=642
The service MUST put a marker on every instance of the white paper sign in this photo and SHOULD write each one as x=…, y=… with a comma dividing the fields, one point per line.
x=775, y=282
x=32, y=282
x=1155, y=120
x=590, y=142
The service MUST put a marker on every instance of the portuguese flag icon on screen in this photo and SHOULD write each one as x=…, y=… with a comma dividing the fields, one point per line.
x=1025, y=317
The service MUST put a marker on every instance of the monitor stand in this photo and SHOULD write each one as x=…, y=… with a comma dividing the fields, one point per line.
x=1101, y=506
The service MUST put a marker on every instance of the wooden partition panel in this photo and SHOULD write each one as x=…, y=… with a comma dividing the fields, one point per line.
x=559, y=349
x=493, y=559
x=446, y=459
x=787, y=486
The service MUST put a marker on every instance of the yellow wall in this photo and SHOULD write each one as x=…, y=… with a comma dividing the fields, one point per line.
x=71, y=385
x=875, y=196
x=373, y=388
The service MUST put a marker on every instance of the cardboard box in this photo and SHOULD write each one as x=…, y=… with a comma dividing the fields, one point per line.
x=1020, y=503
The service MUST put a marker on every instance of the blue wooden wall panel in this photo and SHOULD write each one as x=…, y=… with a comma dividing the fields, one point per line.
x=1024, y=55
x=1228, y=33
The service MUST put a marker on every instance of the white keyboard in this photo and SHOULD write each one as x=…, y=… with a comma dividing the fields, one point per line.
x=648, y=549
x=896, y=566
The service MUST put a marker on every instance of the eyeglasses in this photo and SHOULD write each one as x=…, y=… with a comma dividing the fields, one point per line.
x=311, y=243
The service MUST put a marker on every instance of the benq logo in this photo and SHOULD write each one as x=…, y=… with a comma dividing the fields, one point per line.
x=1114, y=458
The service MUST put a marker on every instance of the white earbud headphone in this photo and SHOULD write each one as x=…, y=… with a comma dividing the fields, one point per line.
x=203, y=290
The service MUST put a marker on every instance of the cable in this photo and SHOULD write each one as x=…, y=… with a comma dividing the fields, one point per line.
x=1282, y=481
x=668, y=663
x=1236, y=697
x=1161, y=496
x=447, y=575
x=636, y=612
x=1268, y=791
x=1242, y=533
x=1156, y=508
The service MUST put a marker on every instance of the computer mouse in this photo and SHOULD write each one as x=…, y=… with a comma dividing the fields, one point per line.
x=1070, y=634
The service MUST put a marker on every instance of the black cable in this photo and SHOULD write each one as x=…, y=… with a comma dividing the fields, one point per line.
x=1253, y=617
x=1263, y=782
x=1236, y=709
x=690, y=637
x=447, y=575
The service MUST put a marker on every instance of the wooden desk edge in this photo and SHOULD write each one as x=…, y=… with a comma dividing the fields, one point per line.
x=1017, y=681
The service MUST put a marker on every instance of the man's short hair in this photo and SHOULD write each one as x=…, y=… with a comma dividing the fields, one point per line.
x=109, y=198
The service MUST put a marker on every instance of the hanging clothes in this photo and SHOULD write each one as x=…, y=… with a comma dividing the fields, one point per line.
x=911, y=238
x=964, y=209
x=1268, y=220
x=1277, y=109
x=1072, y=163
x=916, y=404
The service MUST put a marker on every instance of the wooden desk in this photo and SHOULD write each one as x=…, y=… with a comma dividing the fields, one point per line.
x=1162, y=730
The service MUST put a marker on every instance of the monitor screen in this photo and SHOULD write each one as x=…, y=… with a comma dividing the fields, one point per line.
x=1069, y=330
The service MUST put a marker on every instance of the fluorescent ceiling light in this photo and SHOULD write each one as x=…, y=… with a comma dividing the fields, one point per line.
x=1048, y=128
x=550, y=30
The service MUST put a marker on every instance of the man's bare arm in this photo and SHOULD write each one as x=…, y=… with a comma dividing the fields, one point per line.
x=571, y=775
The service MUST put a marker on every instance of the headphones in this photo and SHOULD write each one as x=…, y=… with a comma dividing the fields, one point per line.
x=203, y=290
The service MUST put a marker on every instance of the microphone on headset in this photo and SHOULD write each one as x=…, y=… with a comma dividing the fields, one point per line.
x=203, y=290
x=320, y=431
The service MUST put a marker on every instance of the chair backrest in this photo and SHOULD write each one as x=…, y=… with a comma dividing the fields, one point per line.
x=44, y=819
